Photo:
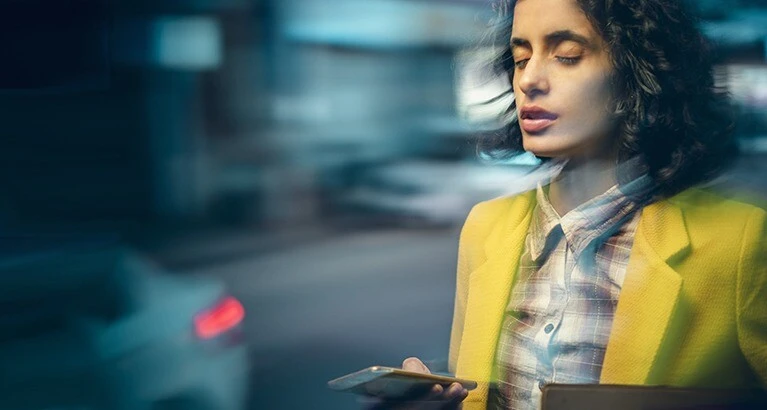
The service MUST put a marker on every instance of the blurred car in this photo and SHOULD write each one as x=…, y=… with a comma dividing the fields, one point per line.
x=88, y=325
x=432, y=193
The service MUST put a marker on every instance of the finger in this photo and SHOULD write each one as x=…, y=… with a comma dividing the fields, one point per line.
x=454, y=396
x=414, y=364
x=438, y=398
x=436, y=390
x=455, y=391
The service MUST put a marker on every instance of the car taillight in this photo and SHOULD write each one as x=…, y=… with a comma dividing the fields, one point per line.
x=227, y=314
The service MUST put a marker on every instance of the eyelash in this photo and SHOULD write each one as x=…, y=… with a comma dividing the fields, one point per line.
x=564, y=60
x=568, y=60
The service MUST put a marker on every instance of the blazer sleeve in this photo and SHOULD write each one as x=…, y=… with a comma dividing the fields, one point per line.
x=751, y=299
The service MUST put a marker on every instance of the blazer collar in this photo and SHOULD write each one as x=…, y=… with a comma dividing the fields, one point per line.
x=489, y=289
x=650, y=296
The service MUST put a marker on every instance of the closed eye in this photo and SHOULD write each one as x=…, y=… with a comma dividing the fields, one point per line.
x=569, y=60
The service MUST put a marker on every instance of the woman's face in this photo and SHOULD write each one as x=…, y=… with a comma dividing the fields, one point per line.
x=562, y=81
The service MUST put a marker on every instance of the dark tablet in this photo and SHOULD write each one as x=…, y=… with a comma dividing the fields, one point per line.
x=604, y=397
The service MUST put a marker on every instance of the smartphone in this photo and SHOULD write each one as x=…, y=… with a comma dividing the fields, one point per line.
x=393, y=383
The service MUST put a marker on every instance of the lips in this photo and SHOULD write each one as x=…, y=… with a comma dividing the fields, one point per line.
x=534, y=119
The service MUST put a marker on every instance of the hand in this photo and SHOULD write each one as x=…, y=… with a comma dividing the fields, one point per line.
x=437, y=398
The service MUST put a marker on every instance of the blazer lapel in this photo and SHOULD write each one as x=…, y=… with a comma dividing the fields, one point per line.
x=489, y=289
x=649, y=297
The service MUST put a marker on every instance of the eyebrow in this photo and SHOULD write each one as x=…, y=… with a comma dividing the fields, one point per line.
x=553, y=39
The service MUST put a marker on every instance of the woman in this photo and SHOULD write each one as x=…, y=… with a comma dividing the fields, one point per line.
x=620, y=270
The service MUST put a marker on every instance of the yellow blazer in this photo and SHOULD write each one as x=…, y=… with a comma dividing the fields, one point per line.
x=692, y=310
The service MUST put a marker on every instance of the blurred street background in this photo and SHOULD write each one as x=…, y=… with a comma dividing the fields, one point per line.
x=316, y=157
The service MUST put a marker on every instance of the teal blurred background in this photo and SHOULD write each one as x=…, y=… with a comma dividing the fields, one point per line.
x=315, y=156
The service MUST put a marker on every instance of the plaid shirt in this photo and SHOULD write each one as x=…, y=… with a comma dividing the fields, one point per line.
x=560, y=311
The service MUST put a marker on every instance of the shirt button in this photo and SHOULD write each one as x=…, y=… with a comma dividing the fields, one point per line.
x=548, y=328
x=541, y=383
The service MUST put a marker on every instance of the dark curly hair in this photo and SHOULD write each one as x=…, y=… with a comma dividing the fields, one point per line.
x=671, y=113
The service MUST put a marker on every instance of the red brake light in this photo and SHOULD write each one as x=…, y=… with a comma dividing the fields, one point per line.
x=225, y=315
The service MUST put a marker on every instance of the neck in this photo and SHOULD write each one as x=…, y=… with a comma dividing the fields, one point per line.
x=581, y=181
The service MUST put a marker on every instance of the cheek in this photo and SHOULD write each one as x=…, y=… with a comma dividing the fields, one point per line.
x=589, y=122
x=592, y=99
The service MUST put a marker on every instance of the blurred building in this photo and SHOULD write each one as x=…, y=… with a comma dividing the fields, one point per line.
x=272, y=114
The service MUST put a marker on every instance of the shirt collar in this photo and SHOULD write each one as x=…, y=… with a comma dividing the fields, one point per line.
x=596, y=219
x=545, y=224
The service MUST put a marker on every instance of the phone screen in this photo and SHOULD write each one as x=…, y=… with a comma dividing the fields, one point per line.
x=392, y=383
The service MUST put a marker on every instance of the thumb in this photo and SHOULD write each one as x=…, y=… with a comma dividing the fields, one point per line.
x=413, y=364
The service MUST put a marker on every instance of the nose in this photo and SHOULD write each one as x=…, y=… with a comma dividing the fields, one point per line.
x=533, y=79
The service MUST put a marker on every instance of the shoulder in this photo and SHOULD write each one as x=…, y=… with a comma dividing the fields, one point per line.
x=485, y=215
x=700, y=202
x=713, y=217
x=483, y=219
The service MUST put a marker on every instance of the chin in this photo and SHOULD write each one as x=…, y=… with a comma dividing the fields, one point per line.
x=543, y=150
x=554, y=146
